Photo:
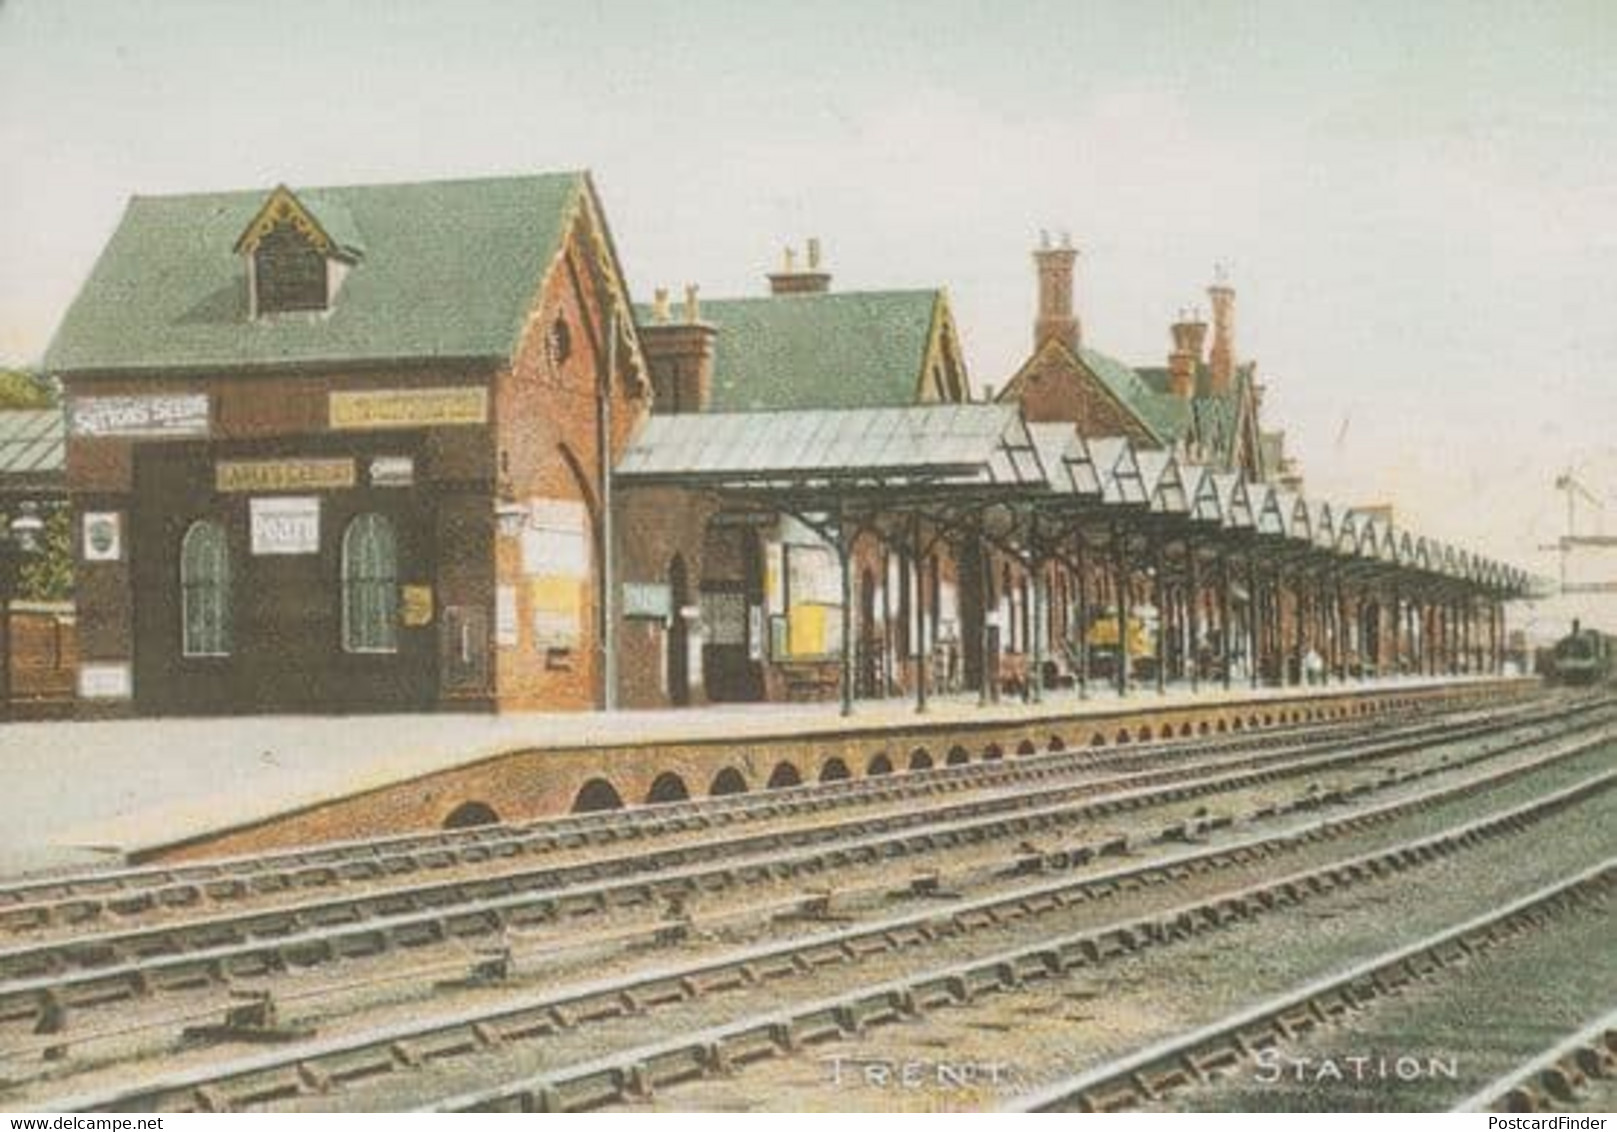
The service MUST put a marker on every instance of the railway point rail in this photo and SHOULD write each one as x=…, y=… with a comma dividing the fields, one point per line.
x=81, y=794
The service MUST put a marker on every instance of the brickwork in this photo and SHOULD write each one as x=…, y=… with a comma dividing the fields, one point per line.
x=1055, y=386
x=548, y=413
x=524, y=785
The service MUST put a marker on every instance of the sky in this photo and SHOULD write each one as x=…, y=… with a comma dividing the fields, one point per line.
x=1414, y=200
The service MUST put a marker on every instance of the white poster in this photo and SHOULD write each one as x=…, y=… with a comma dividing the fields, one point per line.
x=104, y=681
x=505, y=616
x=286, y=525
x=556, y=542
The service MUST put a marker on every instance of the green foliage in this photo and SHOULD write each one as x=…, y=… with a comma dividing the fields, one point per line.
x=22, y=390
x=48, y=576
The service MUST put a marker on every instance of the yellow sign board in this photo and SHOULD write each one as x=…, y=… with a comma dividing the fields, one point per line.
x=283, y=475
x=415, y=606
x=408, y=408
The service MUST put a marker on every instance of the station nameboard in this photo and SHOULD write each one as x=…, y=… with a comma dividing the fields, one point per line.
x=408, y=408
x=283, y=475
x=158, y=414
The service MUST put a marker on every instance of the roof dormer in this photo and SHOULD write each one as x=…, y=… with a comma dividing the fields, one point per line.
x=296, y=260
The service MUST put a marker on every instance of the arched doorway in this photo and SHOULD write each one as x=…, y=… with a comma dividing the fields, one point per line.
x=868, y=682
x=679, y=640
x=732, y=611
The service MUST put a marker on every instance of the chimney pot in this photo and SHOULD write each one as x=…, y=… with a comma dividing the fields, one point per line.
x=812, y=279
x=693, y=309
x=659, y=304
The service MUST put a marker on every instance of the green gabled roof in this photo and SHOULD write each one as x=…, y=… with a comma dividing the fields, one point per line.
x=836, y=350
x=1158, y=378
x=1165, y=415
x=449, y=270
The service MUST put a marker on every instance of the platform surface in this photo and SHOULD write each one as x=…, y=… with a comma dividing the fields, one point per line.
x=77, y=794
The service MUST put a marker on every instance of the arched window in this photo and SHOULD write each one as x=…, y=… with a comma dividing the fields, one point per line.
x=205, y=590
x=370, y=585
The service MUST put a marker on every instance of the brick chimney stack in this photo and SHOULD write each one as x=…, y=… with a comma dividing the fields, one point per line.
x=812, y=280
x=1056, y=318
x=1221, y=358
x=679, y=355
x=1183, y=357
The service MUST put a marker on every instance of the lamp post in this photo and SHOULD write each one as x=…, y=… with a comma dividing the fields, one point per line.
x=19, y=540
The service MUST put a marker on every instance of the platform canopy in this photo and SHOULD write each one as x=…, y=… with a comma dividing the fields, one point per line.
x=901, y=453
x=965, y=458
x=33, y=452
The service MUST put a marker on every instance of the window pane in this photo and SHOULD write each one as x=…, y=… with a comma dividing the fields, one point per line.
x=205, y=590
x=370, y=585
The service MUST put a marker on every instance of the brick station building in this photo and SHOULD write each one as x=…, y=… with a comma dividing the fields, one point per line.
x=410, y=447
x=345, y=449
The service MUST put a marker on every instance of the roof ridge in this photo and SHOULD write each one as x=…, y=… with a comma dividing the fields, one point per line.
x=358, y=186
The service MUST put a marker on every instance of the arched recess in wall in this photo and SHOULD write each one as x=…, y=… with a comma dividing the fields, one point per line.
x=784, y=775
x=668, y=787
x=596, y=795
x=469, y=815
x=728, y=781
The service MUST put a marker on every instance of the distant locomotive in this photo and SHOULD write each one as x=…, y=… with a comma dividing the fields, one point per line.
x=1584, y=656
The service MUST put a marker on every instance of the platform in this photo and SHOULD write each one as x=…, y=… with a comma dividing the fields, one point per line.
x=83, y=793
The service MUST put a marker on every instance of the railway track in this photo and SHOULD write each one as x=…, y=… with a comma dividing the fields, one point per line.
x=328, y=1065
x=101, y=971
x=84, y=899
x=638, y=1073
x=766, y=916
x=1202, y=1061
x=1562, y=1077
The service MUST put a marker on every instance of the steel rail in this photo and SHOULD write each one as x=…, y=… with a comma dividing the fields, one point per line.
x=636, y=1073
x=1194, y=1057
x=1555, y=1077
x=367, y=858
x=79, y=898
x=467, y=889
x=328, y=1064
x=100, y=970
x=1033, y=862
